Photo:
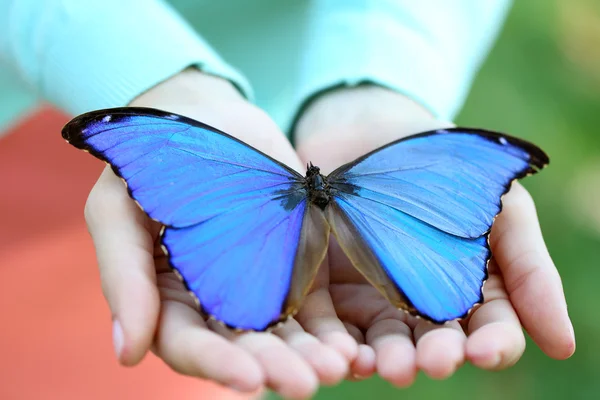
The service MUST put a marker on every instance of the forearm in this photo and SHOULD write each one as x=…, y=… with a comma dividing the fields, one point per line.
x=97, y=54
x=428, y=52
x=189, y=86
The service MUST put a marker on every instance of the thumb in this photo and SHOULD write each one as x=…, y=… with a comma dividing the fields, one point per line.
x=124, y=249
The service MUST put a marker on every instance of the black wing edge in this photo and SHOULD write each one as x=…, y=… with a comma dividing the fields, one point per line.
x=71, y=132
x=538, y=158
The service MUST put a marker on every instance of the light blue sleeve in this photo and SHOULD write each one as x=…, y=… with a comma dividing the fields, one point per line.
x=85, y=55
x=428, y=50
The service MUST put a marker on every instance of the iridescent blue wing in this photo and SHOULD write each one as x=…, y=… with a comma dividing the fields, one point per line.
x=414, y=216
x=238, y=227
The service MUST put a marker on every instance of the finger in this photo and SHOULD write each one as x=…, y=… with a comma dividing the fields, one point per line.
x=286, y=372
x=364, y=365
x=318, y=317
x=185, y=343
x=356, y=333
x=171, y=287
x=330, y=366
x=440, y=349
x=496, y=340
x=124, y=249
x=531, y=279
x=391, y=339
x=362, y=307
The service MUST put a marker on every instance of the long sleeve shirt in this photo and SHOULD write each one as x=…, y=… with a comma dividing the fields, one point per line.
x=86, y=55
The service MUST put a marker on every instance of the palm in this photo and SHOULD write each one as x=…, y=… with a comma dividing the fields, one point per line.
x=403, y=344
x=523, y=286
x=154, y=310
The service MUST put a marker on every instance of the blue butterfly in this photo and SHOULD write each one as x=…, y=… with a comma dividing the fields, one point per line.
x=247, y=233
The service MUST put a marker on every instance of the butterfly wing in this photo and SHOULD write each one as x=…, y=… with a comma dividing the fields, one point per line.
x=238, y=227
x=414, y=216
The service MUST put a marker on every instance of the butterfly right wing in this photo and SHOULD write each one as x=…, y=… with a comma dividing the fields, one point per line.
x=414, y=216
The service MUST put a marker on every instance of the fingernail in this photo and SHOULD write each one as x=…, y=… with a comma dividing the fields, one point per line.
x=118, y=338
x=495, y=360
x=487, y=359
x=572, y=330
x=573, y=340
x=237, y=388
x=241, y=387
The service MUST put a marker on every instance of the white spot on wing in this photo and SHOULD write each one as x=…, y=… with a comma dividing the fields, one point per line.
x=107, y=118
x=503, y=141
x=173, y=116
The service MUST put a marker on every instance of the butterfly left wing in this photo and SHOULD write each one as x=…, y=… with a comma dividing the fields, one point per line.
x=238, y=227
x=414, y=216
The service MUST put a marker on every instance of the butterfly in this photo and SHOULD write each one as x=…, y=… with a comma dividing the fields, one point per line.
x=247, y=234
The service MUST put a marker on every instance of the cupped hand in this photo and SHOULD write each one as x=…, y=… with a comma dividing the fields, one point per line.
x=150, y=307
x=524, y=287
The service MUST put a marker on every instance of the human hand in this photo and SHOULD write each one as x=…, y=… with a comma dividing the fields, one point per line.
x=151, y=308
x=524, y=287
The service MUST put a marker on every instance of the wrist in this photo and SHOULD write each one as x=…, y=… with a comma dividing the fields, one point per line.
x=190, y=86
x=366, y=110
x=346, y=123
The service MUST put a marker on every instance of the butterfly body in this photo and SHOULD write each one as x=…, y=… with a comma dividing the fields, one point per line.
x=247, y=234
x=317, y=186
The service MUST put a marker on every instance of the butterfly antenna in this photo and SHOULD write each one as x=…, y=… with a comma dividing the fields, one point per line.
x=311, y=164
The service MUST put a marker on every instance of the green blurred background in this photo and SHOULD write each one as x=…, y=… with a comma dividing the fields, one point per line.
x=541, y=82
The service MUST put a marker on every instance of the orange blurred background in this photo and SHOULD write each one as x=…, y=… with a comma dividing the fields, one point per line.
x=55, y=329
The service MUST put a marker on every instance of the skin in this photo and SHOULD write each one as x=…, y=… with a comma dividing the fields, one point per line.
x=345, y=328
